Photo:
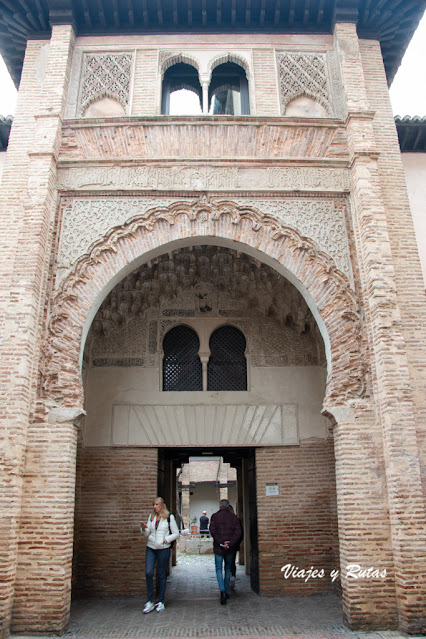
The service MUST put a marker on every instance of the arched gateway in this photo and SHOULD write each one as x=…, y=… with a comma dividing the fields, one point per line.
x=283, y=430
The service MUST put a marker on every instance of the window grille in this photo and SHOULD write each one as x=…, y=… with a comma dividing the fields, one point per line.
x=182, y=369
x=227, y=367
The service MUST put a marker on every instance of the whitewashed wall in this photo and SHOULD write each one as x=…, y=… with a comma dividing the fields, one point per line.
x=415, y=175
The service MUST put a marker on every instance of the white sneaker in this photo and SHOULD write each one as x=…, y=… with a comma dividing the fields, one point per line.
x=160, y=606
x=149, y=606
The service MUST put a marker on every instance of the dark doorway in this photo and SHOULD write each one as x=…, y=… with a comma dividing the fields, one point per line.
x=241, y=458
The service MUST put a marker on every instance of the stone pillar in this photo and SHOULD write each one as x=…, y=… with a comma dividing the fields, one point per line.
x=204, y=359
x=224, y=492
x=185, y=506
x=205, y=86
x=393, y=386
x=27, y=213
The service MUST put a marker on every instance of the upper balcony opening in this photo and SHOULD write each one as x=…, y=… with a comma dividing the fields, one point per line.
x=182, y=94
x=228, y=91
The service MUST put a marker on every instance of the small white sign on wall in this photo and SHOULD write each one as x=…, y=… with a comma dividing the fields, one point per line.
x=272, y=489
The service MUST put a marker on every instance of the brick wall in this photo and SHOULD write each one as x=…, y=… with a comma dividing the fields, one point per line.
x=26, y=217
x=265, y=82
x=144, y=100
x=116, y=489
x=391, y=283
x=408, y=274
x=298, y=526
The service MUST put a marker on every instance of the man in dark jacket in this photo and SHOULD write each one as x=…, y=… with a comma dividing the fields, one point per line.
x=225, y=528
x=204, y=524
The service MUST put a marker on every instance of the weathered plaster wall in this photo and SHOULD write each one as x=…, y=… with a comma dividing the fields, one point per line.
x=415, y=172
x=106, y=387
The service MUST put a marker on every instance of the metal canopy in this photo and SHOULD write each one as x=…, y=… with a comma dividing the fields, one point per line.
x=393, y=22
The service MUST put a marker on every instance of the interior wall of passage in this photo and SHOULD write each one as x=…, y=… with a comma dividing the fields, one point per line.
x=219, y=241
x=123, y=357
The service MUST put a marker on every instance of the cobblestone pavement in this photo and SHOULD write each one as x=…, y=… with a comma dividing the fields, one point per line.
x=193, y=610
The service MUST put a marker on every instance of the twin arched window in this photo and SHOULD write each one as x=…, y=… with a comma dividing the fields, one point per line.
x=226, y=368
x=227, y=94
x=182, y=370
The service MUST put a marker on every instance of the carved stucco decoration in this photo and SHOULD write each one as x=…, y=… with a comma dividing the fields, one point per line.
x=167, y=59
x=336, y=303
x=278, y=324
x=105, y=75
x=229, y=57
x=86, y=219
x=303, y=74
x=324, y=221
x=204, y=178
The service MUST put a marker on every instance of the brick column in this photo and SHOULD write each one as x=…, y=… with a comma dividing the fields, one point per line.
x=43, y=575
x=27, y=213
x=363, y=520
x=392, y=385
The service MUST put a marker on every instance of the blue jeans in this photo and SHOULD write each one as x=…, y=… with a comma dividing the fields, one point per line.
x=162, y=556
x=218, y=561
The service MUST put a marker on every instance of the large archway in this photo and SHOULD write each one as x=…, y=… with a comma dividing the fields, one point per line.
x=325, y=289
x=179, y=315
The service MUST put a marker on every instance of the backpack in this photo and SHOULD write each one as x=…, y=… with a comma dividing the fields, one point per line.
x=170, y=531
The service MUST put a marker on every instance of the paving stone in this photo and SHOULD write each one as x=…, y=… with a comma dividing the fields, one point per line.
x=193, y=610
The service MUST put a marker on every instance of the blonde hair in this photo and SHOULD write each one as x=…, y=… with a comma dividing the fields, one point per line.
x=164, y=513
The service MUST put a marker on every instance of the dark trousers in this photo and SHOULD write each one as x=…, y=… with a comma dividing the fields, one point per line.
x=162, y=557
x=234, y=564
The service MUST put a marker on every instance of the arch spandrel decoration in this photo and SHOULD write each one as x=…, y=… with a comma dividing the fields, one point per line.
x=325, y=288
x=229, y=57
x=167, y=59
x=106, y=75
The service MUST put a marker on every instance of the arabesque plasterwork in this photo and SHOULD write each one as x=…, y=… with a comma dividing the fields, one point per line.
x=105, y=75
x=303, y=74
x=85, y=220
x=338, y=305
x=324, y=221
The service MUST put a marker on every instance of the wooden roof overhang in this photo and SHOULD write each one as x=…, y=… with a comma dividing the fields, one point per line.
x=411, y=134
x=392, y=22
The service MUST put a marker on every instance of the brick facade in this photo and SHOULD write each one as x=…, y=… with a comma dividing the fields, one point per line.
x=116, y=489
x=297, y=526
x=361, y=504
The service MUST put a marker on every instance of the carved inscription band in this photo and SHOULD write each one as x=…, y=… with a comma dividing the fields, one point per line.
x=205, y=178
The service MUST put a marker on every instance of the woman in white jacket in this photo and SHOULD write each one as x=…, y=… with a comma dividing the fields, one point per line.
x=160, y=537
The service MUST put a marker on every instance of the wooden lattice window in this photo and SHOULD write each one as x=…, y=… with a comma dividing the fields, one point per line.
x=227, y=367
x=182, y=369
